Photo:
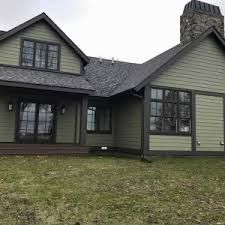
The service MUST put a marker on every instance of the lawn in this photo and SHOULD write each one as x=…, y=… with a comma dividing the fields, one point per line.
x=97, y=190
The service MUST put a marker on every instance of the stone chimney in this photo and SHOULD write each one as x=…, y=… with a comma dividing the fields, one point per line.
x=197, y=18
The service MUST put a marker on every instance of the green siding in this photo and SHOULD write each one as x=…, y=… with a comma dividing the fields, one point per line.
x=126, y=126
x=10, y=48
x=100, y=140
x=7, y=121
x=202, y=68
x=128, y=123
x=170, y=143
x=66, y=124
x=209, y=123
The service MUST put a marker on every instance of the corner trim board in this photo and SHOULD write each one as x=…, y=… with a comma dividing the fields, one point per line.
x=193, y=121
x=224, y=121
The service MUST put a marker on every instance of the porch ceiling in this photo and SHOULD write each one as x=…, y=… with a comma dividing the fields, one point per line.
x=35, y=79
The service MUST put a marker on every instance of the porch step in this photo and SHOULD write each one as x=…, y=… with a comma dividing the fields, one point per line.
x=42, y=149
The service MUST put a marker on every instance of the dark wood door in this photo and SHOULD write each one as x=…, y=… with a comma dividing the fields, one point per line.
x=36, y=123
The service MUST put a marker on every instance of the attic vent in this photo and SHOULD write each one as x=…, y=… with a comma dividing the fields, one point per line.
x=100, y=59
x=113, y=61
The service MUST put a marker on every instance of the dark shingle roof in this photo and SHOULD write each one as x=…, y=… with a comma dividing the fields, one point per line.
x=105, y=76
x=43, y=78
x=204, y=7
x=109, y=80
x=2, y=32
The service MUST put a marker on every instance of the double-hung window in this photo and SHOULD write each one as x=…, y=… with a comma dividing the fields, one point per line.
x=40, y=55
x=170, y=111
x=99, y=119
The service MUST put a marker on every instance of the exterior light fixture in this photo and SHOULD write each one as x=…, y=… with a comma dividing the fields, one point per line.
x=10, y=106
x=63, y=109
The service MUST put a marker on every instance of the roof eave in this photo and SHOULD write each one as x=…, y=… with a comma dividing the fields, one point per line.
x=45, y=87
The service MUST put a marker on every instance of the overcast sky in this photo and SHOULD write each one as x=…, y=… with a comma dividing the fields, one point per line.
x=130, y=30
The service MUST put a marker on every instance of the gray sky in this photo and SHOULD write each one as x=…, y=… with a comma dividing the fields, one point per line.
x=130, y=30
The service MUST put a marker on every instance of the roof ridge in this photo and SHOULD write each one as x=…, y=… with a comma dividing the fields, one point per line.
x=119, y=61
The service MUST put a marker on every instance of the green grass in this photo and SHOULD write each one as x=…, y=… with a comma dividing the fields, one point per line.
x=106, y=190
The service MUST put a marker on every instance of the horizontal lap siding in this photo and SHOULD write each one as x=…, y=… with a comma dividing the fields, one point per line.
x=10, y=48
x=7, y=121
x=170, y=143
x=99, y=140
x=202, y=68
x=66, y=124
x=128, y=123
x=210, y=125
x=102, y=140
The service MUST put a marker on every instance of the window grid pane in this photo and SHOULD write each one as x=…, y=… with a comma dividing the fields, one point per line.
x=99, y=119
x=91, y=120
x=28, y=53
x=40, y=55
x=53, y=57
x=171, y=113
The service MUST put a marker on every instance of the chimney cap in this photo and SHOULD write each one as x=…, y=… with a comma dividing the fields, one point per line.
x=195, y=5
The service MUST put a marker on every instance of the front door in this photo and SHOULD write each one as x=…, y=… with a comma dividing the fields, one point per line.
x=36, y=123
x=209, y=123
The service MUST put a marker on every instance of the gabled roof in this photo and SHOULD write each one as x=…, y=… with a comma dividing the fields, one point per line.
x=146, y=69
x=2, y=32
x=44, y=17
x=147, y=73
x=110, y=80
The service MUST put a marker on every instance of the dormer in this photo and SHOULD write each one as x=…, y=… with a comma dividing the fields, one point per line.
x=40, y=44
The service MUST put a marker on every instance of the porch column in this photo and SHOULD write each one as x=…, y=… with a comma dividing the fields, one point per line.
x=83, y=122
x=146, y=120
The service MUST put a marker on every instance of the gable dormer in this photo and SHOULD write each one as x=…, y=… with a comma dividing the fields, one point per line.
x=40, y=44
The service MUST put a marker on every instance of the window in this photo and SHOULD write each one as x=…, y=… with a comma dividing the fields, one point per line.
x=36, y=123
x=40, y=55
x=170, y=111
x=99, y=119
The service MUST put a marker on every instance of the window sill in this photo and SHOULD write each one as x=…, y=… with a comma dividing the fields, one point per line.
x=39, y=69
x=169, y=134
x=99, y=132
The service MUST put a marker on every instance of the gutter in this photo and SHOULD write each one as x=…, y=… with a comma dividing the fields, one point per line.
x=135, y=94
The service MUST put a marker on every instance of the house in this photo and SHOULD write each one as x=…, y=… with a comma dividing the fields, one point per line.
x=55, y=99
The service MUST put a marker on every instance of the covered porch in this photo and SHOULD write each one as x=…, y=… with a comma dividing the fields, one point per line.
x=41, y=119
